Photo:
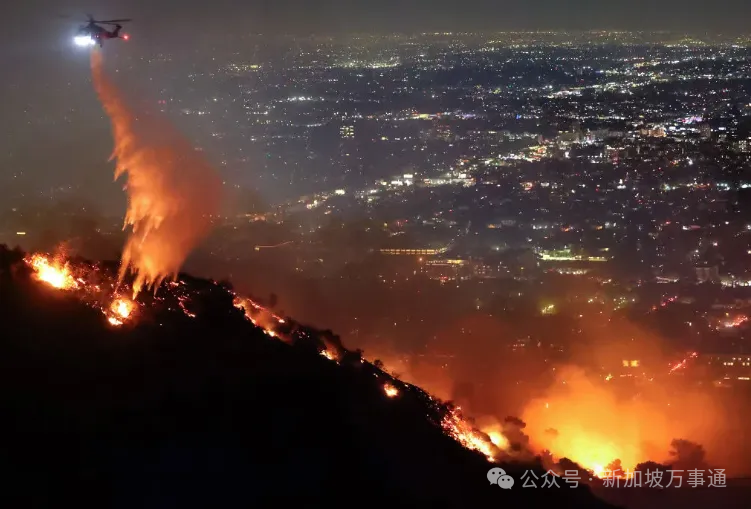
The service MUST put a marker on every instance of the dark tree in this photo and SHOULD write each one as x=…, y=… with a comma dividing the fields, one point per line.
x=651, y=466
x=513, y=430
x=615, y=468
x=566, y=465
x=687, y=455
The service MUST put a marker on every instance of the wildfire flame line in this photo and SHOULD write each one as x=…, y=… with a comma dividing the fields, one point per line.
x=118, y=310
x=61, y=275
x=682, y=364
x=52, y=272
x=456, y=426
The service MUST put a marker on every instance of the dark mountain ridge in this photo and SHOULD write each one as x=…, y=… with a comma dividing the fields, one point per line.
x=175, y=411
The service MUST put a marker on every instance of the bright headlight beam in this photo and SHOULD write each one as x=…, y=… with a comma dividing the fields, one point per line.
x=83, y=40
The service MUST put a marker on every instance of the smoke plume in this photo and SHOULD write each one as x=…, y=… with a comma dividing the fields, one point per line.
x=172, y=191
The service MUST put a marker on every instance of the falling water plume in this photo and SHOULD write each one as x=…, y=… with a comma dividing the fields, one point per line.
x=173, y=193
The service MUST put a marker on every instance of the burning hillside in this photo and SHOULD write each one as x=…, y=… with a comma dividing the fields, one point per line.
x=89, y=283
x=134, y=377
x=122, y=369
x=610, y=434
x=96, y=286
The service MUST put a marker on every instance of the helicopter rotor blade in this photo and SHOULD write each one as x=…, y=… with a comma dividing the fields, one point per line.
x=111, y=21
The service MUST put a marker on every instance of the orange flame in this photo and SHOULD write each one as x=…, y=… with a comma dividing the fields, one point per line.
x=120, y=311
x=585, y=421
x=52, y=272
x=329, y=355
x=497, y=438
x=260, y=317
x=682, y=364
x=58, y=274
x=390, y=390
x=122, y=308
x=456, y=426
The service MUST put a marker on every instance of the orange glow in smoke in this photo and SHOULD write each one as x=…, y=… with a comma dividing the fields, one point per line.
x=582, y=420
x=497, y=438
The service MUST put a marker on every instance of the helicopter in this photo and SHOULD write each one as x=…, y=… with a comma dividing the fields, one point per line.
x=91, y=33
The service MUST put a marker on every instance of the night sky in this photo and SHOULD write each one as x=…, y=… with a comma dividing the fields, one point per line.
x=388, y=15
x=45, y=79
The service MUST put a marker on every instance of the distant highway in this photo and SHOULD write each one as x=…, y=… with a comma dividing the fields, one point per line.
x=258, y=248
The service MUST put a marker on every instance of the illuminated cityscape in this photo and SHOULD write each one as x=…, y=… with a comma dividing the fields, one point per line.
x=544, y=234
x=475, y=160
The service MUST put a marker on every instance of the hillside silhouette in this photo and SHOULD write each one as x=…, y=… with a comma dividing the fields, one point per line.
x=209, y=411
